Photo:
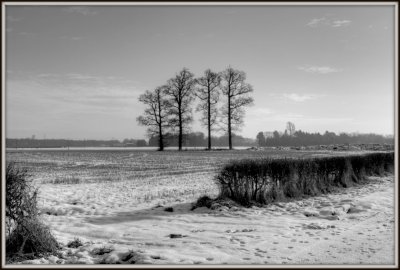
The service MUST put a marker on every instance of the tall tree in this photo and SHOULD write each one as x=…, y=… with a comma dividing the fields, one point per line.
x=237, y=93
x=156, y=114
x=261, y=138
x=208, y=93
x=180, y=90
x=290, y=128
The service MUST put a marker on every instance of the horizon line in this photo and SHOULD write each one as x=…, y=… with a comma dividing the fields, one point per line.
x=147, y=138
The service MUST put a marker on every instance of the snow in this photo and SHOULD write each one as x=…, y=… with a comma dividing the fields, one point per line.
x=351, y=226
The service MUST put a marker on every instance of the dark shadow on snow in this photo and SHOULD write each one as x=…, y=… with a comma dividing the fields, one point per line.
x=149, y=213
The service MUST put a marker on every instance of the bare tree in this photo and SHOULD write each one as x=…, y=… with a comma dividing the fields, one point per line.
x=156, y=113
x=236, y=91
x=180, y=91
x=290, y=128
x=261, y=139
x=208, y=93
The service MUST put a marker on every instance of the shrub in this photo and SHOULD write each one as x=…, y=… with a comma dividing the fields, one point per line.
x=267, y=180
x=75, y=243
x=169, y=209
x=102, y=250
x=31, y=237
x=21, y=197
x=27, y=236
x=203, y=201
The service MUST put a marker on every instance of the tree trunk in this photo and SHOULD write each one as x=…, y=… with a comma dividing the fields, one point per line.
x=209, y=120
x=180, y=131
x=229, y=122
x=161, y=141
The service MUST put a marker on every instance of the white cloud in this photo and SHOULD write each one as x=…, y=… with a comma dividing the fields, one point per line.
x=299, y=98
x=259, y=112
x=340, y=23
x=318, y=69
x=278, y=120
x=81, y=10
x=77, y=76
x=328, y=22
x=316, y=22
x=79, y=91
x=26, y=34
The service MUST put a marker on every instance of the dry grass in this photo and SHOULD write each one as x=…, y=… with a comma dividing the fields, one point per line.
x=27, y=236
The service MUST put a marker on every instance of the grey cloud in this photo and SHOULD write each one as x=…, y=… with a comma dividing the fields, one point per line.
x=13, y=19
x=71, y=38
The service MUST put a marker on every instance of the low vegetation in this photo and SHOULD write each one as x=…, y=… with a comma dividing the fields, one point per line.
x=266, y=180
x=102, y=250
x=65, y=180
x=169, y=209
x=75, y=243
x=26, y=237
x=203, y=201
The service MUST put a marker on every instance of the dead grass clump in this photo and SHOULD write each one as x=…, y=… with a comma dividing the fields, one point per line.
x=132, y=257
x=30, y=239
x=102, y=250
x=21, y=197
x=27, y=237
x=75, y=243
x=203, y=201
x=169, y=209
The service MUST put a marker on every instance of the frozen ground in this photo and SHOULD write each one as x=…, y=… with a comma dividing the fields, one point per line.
x=352, y=226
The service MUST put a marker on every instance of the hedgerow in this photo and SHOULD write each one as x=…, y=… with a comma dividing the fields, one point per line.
x=266, y=180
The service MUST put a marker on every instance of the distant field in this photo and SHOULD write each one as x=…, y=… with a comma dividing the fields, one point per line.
x=152, y=174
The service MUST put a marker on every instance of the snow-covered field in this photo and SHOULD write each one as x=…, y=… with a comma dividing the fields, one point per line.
x=117, y=207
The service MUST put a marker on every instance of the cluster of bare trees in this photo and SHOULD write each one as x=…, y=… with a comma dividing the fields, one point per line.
x=169, y=107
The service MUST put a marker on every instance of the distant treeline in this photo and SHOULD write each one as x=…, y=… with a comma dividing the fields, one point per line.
x=190, y=140
x=300, y=138
x=55, y=143
x=198, y=139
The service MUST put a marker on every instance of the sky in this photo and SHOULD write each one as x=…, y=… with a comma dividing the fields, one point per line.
x=76, y=72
